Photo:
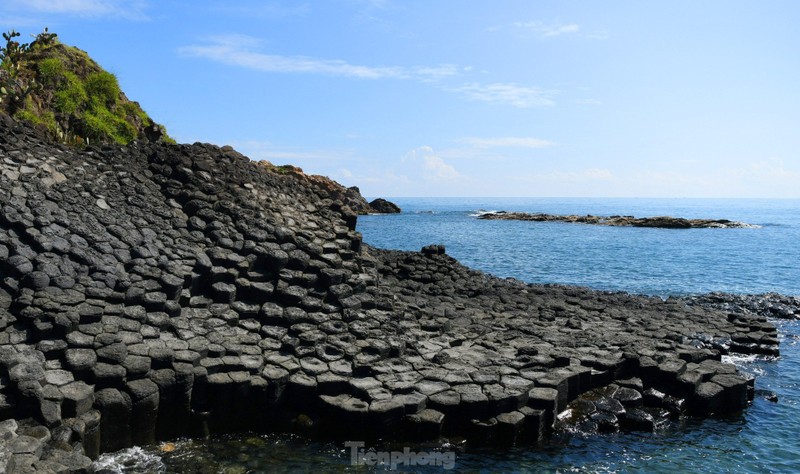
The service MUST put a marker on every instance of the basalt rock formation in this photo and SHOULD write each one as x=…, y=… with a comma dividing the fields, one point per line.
x=664, y=222
x=153, y=291
x=769, y=305
x=350, y=197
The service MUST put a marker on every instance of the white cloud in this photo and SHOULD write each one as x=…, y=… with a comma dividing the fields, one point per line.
x=548, y=31
x=436, y=168
x=379, y=4
x=601, y=35
x=268, y=10
x=240, y=50
x=129, y=9
x=581, y=176
x=346, y=173
x=772, y=168
x=17, y=22
x=507, y=142
x=243, y=51
x=433, y=167
x=506, y=93
x=263, y=150
x=771, y=178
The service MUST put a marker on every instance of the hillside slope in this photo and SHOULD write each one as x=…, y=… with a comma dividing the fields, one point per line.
x=65, y=93
x=67, y=96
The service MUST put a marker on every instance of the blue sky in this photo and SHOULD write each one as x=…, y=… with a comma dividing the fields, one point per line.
x=467, y=98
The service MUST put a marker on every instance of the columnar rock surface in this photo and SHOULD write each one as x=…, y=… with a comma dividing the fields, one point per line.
x=156, y=291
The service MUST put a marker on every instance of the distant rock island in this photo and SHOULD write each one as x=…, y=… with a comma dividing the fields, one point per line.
x=382, y=206
x=664, y=222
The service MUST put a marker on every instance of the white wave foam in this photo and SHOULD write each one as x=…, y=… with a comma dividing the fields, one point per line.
x=481, y=212
x=745, y=363
x=739, y=359
x=741, y=225
x=131, y=460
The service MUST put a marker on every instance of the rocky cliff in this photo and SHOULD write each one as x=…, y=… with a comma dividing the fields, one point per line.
x=350, y=197
x=153, y=290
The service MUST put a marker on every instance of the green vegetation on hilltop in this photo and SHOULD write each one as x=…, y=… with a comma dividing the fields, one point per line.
x=60, y=89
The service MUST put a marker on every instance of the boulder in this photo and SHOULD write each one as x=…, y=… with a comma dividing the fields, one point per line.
x=382, y=206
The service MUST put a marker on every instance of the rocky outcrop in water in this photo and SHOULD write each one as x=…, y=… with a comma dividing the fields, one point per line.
x=156, y=291
x=382, y=206
x=664, y=222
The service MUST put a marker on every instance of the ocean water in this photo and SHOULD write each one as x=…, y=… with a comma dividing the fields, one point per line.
x=648, y=261
x=637, y=260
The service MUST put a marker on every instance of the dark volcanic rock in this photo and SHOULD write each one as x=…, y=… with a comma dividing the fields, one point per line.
x=769, y=305
x=156, y=291
x=664, y=222
x=383, y=206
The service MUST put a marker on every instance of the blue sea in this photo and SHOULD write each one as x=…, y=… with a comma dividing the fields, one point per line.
x=662, y=262
x=637, y=260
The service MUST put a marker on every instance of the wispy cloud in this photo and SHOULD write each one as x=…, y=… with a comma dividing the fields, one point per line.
x=548, y=30
x=17, y=22
x=772, y=168
x=127, y=9
x=580, y=176
x=264, y=150
x=241, y=50
x=371, y=3
x=245, y=52
x=434, y=168
x=507, y=93
x=506, y=142
x=261, y=9
x=599, y=35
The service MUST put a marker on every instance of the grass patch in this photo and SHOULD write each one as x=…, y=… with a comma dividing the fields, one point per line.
x=51, y=71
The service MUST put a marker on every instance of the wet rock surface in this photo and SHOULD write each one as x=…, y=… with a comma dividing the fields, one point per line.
x=664, y=222
x=157, y=291
x=768, y=305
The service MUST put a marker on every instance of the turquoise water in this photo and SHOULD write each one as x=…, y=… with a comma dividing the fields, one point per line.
x=650, y=261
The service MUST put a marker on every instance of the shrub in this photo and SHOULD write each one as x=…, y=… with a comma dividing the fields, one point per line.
x=51, y=71
x=133, y=111
x=102, y=87
x=71, y=96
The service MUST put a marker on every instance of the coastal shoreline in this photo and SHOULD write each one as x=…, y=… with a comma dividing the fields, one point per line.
x=157, y=291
